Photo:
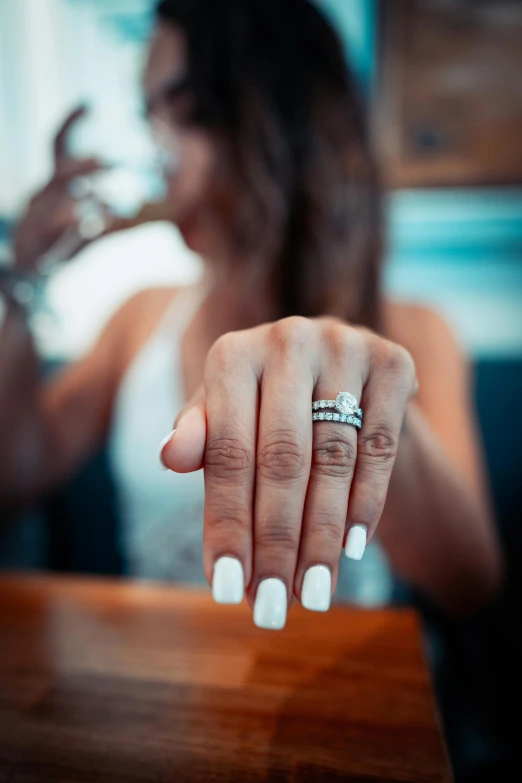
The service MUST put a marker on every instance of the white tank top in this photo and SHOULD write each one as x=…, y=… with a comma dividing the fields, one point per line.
x=162, y=512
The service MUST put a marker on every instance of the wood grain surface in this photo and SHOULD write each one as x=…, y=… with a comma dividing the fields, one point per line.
x=112, y=681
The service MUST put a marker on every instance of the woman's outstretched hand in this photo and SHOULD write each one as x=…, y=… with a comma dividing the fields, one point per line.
x=283, y=493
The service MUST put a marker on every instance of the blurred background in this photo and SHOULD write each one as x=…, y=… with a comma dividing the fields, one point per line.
x=443, y=77
x=443, y=82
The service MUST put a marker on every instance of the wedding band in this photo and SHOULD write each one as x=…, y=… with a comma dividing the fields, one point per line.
x=344, y=418
x=344, y=403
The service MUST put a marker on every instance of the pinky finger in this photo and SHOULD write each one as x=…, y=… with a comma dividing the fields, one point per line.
x=385, y=399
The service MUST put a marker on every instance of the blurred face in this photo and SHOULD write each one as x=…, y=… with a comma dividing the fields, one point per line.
x=193, y=164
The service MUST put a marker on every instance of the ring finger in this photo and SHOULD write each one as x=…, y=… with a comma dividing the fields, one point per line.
x=334, y=454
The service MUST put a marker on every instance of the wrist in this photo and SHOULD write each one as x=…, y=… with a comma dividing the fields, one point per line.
x=20, y=289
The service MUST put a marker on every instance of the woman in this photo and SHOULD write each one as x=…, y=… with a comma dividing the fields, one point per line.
x=276, y=190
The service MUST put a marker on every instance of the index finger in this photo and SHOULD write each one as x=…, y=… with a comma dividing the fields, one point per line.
x=229, y=464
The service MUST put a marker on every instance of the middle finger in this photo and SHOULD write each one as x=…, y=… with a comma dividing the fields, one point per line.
x=282, y=472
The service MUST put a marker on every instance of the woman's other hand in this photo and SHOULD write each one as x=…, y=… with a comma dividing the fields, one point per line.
x=282, y=493
x=55, y=211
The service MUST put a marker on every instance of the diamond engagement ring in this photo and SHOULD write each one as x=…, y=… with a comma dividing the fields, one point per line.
x=345, y=404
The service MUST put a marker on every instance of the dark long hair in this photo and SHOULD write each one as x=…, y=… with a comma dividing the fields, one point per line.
x=269, y=77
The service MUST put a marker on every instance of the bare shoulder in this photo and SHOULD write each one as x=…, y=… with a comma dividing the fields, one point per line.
x=121, y=338
x=150, y=304
x=441, y=364
x=137, y=318
x=424, y=332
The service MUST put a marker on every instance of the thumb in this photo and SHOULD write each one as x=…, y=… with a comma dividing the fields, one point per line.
x=62, y=136
x=183, y=449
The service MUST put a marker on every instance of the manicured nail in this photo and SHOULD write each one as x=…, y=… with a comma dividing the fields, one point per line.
x=228, y=583
x=355, y=542
x=270, y=605
x=317, y=589
x=162, y=445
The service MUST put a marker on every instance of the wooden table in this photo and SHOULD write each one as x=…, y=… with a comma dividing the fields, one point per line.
x=111, y=682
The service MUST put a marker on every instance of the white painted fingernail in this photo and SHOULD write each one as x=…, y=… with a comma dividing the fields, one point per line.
x=356, y=542
x=162, y=445
x=270, y=605
x=166, y=439
x=228, y=584
x=317, y=589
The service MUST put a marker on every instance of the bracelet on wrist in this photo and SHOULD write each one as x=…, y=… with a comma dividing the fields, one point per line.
x=21, y=289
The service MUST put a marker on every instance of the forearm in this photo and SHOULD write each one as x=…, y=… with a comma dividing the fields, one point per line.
x=437, y=528
x=21, y=431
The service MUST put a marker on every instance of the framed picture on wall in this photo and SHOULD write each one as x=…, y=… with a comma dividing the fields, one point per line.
x=449, y=103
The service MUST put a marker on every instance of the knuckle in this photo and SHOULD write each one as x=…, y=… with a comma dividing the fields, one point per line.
x=341, y=339
x=278, y=538
x=282, y=458
x=225, y=457
x=369, y=513
x=290, y=335
x=224, y=517
x=398, y=361
x=334, y=458
x=224, y=354
x=380, y=444
x=328, y=531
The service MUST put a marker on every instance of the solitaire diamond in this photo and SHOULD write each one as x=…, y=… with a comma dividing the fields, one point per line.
x=346, y=403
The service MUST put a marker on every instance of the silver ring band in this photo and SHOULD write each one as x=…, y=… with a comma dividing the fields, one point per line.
x=344, y=418
x=332, y=404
